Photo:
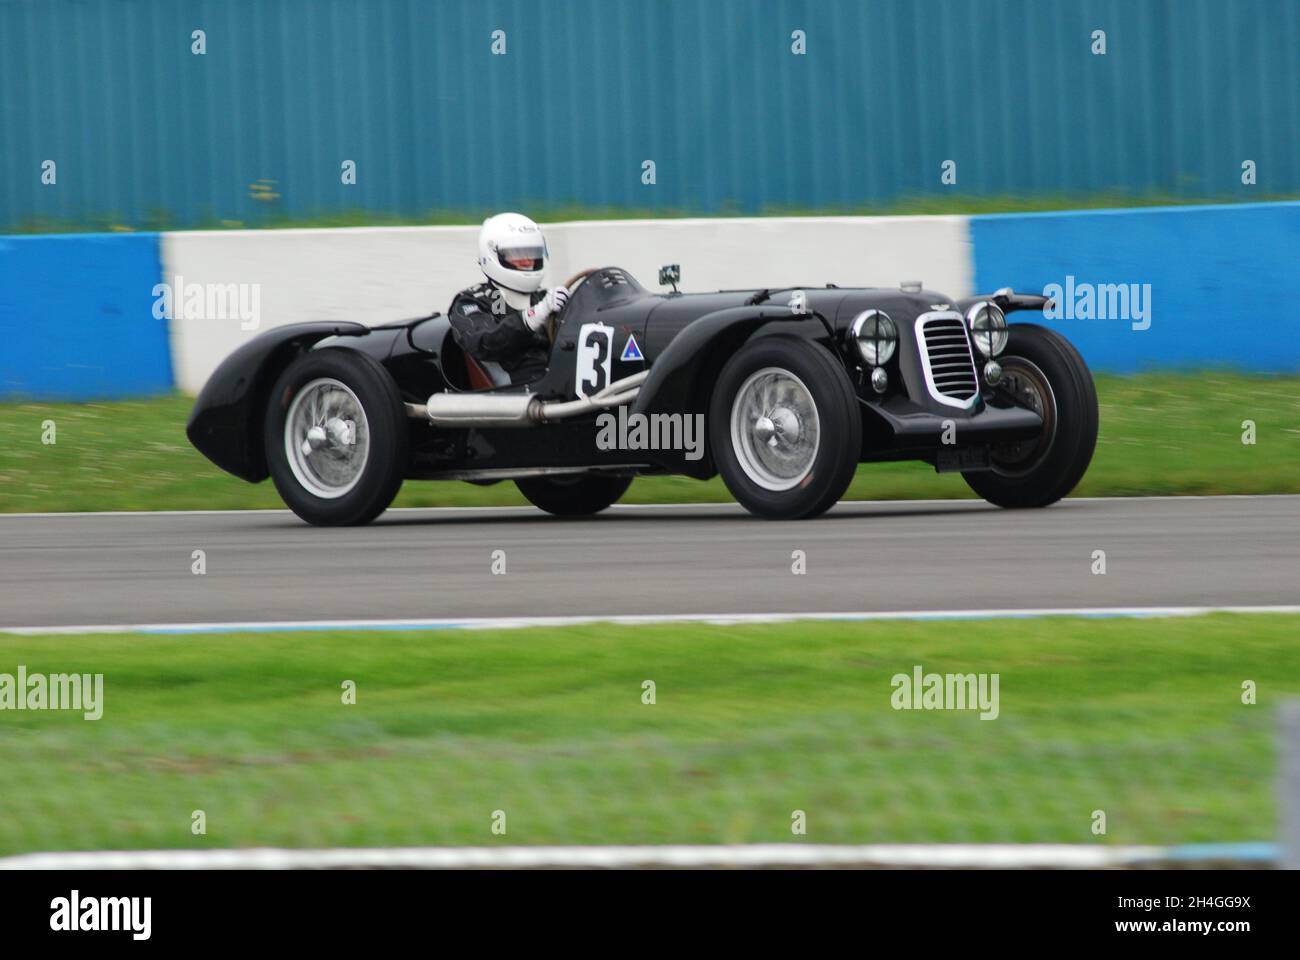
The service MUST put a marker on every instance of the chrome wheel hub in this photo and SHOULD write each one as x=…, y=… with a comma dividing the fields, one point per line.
x=775, y=431
x=326, y=438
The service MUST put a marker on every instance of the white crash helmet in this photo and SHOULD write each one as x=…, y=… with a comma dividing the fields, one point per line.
x=512, y=252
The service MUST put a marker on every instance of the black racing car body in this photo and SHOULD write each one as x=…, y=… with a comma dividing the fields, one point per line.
x=613, y=328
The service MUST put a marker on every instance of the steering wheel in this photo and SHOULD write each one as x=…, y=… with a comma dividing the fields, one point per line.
x=553, y=322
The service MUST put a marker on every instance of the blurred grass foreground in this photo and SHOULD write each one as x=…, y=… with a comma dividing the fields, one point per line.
x=1161, y=433
x=1143, y=720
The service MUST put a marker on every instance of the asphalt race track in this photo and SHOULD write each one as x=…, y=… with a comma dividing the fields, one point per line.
x=84, y=569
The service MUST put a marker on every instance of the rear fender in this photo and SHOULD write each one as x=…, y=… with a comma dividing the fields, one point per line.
x=226, y=422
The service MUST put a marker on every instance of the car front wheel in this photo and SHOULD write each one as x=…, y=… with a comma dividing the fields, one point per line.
x=784, y=428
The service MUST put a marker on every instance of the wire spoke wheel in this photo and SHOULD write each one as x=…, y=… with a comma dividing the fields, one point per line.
x=775, y=430
x=326, y=438
x=336, y=437
x=784, y=428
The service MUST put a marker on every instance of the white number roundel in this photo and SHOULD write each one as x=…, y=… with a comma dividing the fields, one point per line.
x=595, y=350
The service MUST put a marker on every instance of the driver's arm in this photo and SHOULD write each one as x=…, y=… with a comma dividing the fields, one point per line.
x=536, y=315
x=482, y=330
x=488, y=335
x=489, y=330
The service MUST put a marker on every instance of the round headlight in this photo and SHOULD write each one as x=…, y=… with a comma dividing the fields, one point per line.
x=988, y=327
x=875, y=335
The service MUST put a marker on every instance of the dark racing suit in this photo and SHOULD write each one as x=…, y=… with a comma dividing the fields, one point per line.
x=488, y=329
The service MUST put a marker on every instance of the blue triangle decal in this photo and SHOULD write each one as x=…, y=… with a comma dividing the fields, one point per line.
x=631, y=351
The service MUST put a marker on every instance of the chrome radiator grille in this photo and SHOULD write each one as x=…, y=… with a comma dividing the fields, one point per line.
x=947, y=360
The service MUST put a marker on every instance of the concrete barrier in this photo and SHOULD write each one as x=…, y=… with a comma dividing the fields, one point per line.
x=76, y=318
x=1217, y=280
x=1202, y=286
x=369, y=275
x=374, y=275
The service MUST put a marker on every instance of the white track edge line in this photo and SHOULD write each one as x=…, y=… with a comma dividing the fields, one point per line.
x=625, y=507
x=988, y=856
x=718, y=619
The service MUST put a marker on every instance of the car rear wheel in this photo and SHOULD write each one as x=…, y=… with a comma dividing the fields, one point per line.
x=784, y=428
x=575, y=495
x=1042, y=370
x=336, y=437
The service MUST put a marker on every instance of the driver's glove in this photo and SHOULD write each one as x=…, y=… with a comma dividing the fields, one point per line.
x=554, y=301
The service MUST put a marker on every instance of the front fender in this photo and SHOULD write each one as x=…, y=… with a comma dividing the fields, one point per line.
x=226, y=422
x=1008, y=301
x=681, y=377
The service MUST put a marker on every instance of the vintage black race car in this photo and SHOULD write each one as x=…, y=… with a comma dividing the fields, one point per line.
x=781, y=391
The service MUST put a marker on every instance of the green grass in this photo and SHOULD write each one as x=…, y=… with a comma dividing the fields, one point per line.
x=272, y=215
x=1141, y=719
x=1160, y=434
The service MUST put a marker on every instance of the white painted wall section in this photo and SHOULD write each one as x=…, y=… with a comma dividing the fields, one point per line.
x=374, y=275
x=748, y=253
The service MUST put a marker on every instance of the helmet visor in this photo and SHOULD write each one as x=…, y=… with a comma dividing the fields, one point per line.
x=527, y=257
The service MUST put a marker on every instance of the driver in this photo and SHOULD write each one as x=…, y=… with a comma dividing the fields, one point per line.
x=502, y=323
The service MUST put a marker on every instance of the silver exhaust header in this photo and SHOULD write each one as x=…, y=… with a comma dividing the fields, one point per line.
x=481, y=410
x=519, y=409
x=616, y=394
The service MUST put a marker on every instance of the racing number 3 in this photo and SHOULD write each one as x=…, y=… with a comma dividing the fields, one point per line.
x=595, y=341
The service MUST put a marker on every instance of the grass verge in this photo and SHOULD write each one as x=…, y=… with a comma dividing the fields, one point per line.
x=1142, y=719
x=1160, y=434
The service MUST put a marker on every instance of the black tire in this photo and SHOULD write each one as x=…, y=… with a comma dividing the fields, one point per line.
x=839, y=424
x=386, y=435
x=576, y=495
x=1040, y=472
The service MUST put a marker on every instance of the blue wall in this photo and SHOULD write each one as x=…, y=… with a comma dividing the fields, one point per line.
x=1222, y=280
x=76, y=317
x=146, y=133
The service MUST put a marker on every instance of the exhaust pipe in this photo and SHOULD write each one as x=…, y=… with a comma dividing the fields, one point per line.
x=519, y=409
x=616, y=394
x=470, y=410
